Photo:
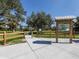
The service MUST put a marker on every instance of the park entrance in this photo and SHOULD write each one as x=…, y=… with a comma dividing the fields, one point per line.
x=64, y=25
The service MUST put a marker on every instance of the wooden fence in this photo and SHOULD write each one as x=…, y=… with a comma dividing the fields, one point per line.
x=46, y=34
x=5, y=36
x=51, y=34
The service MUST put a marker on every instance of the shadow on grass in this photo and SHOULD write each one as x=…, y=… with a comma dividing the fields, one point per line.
x=42, y=42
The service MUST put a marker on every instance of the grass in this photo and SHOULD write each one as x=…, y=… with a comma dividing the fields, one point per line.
x=15, y=40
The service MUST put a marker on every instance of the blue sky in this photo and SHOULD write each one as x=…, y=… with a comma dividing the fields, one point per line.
x=53, y=7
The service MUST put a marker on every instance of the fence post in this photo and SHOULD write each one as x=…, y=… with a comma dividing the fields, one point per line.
x=24, y=34
x=32, y=34
x=4, y=37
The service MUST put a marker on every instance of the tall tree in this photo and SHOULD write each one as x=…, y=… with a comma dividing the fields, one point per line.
x=6, y=6
x=40, y=20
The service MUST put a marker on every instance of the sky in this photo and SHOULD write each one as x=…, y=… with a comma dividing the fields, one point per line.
x=52, y=7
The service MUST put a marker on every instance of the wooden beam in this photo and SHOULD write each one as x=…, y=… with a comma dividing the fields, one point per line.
x=71, y=31
x=56, y=32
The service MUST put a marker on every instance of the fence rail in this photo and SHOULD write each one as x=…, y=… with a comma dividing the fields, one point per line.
x=1, y=34
x=5, y=35
x=51, y=34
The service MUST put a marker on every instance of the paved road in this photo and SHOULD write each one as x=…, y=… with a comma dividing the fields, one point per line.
x=40, y=51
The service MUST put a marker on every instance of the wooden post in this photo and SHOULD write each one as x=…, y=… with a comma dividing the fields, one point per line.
x=71, y=30
x=24, y=34
x=4, y=37
x=32, y=34
x=56, y=32
x=74, y=34
x=50, y=34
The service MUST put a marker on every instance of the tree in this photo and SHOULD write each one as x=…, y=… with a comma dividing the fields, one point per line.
x=40, y=20
x=49, y=21
x=6, y=6
x=13, y=22
x=76, y=25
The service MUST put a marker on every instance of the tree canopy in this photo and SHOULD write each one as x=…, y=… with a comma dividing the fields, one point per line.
x=7, y=7
x=76, y=25
x=39, y=20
